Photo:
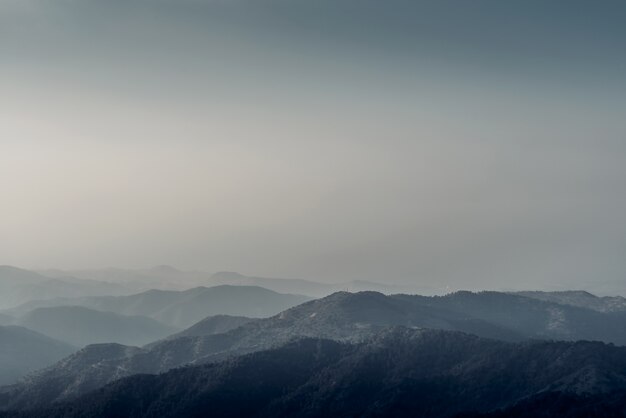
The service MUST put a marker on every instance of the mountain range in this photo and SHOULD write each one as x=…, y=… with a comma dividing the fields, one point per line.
x=181, y=309
x=159, y=277
x=312, y=288
x=395, y=372
x=18, y=286
x=348, y=317
x=170, y=278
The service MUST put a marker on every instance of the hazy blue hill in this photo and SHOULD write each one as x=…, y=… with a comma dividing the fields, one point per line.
x=305, y=287
x=13, y=281
x=68, y=287
x=184, y=308
x=82, y=326
x=250, y=301
x=170, y=278
x=158, y=277
x=397, y=372
x=23, y=351
x=18, y=286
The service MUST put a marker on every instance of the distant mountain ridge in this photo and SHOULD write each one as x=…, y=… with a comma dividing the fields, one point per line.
x=183, y=308
x=170, y=278
x=18, y=286
x=308, y=287
x=159, y=277
x=396, y=372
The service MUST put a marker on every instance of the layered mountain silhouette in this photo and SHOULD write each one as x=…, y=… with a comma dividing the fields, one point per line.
x=308, y=287
x=170, y=278
x=341, y=317
x=159, y=277
x=394, y=372
x=183, y=308
x=18, y=286
x=81, y=326
x=23, y=351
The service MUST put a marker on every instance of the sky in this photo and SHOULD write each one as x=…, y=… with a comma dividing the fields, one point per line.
x=471, y=144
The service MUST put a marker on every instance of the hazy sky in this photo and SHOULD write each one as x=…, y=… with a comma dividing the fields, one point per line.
x=470, y=143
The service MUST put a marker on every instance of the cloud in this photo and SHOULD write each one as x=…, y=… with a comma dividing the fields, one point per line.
x=476, y=145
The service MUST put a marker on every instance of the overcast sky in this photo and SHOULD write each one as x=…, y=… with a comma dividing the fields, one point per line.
x=476, y=144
